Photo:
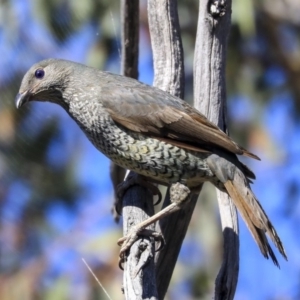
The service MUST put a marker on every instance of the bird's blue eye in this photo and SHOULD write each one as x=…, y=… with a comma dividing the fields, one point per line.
x=39, y=73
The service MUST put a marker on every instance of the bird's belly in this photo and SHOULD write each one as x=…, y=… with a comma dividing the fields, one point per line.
x=155, y=159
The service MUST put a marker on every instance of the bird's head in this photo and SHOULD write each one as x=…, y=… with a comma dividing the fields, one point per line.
x=45, y=81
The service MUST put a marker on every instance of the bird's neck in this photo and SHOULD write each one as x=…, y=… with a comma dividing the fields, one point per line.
x=90, y=117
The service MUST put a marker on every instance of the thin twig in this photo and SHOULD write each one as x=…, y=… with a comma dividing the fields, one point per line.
x=98, y=281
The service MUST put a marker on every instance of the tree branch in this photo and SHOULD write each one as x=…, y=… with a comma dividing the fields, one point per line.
x=166, y=46
x=129, y=67
x=130, y=37
x=169, y=76
x=139, y=269
x=210, y=99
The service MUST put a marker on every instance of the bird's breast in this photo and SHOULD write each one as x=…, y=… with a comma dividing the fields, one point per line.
x=145, y=155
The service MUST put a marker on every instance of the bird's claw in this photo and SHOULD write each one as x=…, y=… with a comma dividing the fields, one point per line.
x=127, y=241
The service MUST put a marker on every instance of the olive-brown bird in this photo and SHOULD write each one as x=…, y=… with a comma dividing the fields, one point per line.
x=151, y=132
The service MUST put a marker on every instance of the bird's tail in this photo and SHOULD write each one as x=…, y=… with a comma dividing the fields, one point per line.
x=238, y=188
x=254, y=216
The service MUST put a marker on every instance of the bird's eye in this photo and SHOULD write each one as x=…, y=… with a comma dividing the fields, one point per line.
x=39, y=73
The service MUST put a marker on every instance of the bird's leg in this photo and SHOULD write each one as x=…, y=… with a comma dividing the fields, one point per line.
x=179, y=193
x=135, y=179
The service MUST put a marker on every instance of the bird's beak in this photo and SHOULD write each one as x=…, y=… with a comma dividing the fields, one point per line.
x=22, y=98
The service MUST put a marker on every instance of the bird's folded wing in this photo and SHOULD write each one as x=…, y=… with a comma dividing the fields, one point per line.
x=158, y=114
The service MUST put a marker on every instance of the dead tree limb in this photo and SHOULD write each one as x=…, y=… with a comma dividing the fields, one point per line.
x=139, y=270
x=168, y=76
x=210, y=99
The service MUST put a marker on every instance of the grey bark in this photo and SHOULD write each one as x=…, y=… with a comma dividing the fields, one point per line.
x=166, y=46
x=130, y=37
x=139, y=269
x=129, y=67
x=168, y=76
x=210, y=99
x=210, y=55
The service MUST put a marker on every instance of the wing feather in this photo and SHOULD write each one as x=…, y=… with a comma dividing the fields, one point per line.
x=146, y=109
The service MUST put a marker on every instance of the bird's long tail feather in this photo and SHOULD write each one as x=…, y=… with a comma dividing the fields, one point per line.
x=254, y=216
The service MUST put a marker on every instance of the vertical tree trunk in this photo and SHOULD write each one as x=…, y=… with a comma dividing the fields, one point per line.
x=210, y=99
x=169, y=76
x=139, y=268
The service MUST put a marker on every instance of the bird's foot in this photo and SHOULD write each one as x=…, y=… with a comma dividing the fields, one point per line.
x=135, y=179
x=127, y=241
x=179, y=194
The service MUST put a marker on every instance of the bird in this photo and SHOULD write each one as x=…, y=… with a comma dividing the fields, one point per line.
x=153, y=133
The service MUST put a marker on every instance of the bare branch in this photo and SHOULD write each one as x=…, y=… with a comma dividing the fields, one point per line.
x=166, y=46
x=210, y=98
x=139, y=269
x=169, y=76
x=129, y=67
x=130, y=37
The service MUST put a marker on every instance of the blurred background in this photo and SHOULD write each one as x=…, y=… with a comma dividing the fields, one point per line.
x=55, y=191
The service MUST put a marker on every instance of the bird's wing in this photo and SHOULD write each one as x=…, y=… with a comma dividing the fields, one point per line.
x=155, y=113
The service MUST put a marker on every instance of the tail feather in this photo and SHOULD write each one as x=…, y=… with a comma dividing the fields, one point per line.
x=248, y=172
x=249, y=154
x=254, y=216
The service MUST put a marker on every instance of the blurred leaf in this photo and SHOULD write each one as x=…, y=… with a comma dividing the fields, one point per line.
x=59, y=289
